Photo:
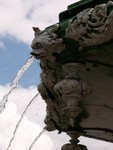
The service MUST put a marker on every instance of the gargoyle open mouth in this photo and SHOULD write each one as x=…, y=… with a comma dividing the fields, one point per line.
x=38, y=53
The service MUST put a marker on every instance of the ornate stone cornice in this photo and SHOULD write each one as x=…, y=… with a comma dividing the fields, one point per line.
x=92, y=26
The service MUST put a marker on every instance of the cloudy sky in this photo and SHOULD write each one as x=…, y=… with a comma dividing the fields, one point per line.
x=16, y=21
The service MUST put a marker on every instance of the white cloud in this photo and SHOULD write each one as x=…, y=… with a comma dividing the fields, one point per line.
x=18, y=17
x=26, y=133
x=29, y=128
x=21, y=97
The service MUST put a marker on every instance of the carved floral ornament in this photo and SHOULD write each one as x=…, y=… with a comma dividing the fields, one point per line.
x=93, y=26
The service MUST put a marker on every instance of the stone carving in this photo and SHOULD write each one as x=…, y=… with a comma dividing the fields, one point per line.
x=55, y=117
x=92, y=26
x=73, y=145
x=49, y=78
x=51, y=109
x=72, y=90
x=72, y=83
x=45, y=44
x=61, y=61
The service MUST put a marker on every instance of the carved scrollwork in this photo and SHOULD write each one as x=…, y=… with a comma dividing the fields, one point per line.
x=49, y=78
x=45, y=44
x=55, y=117
x=51, y=112
x=93, y=26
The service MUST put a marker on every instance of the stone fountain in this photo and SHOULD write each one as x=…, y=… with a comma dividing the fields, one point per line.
x=76, y=59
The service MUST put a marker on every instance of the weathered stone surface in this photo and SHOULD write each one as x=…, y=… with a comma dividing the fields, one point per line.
x=45, y=44
x=93, y=26
x=77, y=72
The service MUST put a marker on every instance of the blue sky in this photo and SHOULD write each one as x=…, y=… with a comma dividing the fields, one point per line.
x=16, y=21
x=13, y=55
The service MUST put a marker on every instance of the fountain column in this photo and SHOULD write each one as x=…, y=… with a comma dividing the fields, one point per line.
x=73, y=145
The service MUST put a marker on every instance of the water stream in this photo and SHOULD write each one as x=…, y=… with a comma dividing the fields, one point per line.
x=14, y=83
x=37, y=137
x=17, y=125
x=3, y=102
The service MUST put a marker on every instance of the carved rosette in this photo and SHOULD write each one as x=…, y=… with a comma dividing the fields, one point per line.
x=72, y=91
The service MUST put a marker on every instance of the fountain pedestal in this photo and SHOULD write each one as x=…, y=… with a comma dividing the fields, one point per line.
x=73, y=145
x=76, y=58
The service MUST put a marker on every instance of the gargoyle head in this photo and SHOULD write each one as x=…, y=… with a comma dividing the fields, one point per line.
x=45, y=44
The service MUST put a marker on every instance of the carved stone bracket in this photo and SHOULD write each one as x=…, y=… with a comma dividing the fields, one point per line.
x=72, y=91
